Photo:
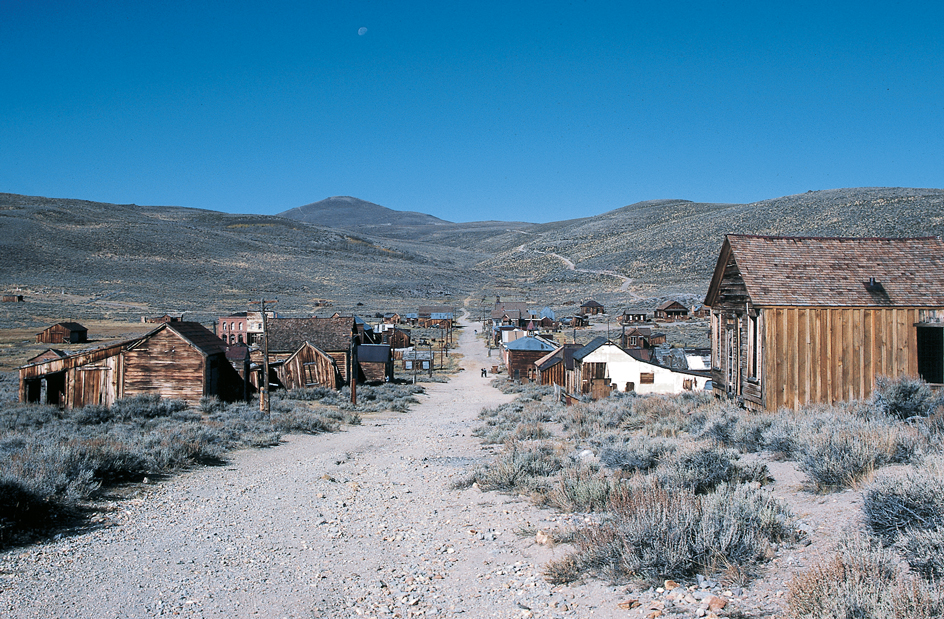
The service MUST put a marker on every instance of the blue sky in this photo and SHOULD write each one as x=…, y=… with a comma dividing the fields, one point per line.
x=534, y=111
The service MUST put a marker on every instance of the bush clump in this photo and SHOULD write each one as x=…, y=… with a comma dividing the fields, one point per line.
x=903, y=398
x=655, y=532
x=863, y=580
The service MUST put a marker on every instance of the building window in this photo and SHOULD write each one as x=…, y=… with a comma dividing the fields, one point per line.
x=647, y=378
x=753, y=347
x=224, y=326
x=715, y=340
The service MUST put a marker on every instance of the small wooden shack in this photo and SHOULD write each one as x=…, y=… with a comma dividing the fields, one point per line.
x=11, y=298
x=181, y=361
x=63, y=333
x=592, y=308
x=799, y=320
x=375, y=362
x=519, y=356
x=671, y=310
x=309, y=367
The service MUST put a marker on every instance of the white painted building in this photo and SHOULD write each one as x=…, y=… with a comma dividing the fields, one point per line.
x=601, y=359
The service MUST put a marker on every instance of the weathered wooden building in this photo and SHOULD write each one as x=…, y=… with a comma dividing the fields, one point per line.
x=309, y=367
x=552, y=368
x=671, y=310
x=180, y=360
x=799, y=320
x=333, y=336
x=519, y=356
x=63, y=333
x=12, y=298
x=592, y=308
x=375, y=362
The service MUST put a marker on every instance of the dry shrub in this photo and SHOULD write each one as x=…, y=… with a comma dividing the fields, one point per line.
x=862, y=580
x=582, y=489
x=656, y=532
x=838, y=452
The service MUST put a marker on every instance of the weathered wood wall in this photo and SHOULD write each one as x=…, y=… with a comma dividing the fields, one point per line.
x=167, y=365
x=826, y=355
x=309, y=368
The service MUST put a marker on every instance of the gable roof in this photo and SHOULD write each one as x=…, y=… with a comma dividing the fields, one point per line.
x=589, y=347
x=193, y=333
x=328, y=334
x=672, y=304
x=590, y=303
x=819, y=271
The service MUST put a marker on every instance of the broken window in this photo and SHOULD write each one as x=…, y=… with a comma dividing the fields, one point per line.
x=647, y=378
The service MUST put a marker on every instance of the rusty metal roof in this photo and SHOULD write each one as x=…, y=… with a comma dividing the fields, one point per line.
x=842, y=272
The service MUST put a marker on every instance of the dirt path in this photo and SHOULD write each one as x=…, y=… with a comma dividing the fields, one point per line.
x=359, y=523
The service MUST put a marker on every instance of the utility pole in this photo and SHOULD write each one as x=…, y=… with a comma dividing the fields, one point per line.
x=264, y=404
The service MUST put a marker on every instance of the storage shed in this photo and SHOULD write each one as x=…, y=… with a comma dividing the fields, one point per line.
x=63, y=333
x=799, y=320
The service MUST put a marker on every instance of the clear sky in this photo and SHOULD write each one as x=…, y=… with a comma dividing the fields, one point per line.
x=534, y=111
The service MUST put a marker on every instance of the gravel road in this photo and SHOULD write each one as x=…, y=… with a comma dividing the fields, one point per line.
x=359, y=523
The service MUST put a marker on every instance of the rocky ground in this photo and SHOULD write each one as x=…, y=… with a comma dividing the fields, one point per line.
x=362, y=523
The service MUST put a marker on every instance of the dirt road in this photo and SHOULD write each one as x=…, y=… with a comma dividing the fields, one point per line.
x=359, y=523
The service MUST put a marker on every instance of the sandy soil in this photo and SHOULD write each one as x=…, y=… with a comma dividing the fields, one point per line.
x=358, y=523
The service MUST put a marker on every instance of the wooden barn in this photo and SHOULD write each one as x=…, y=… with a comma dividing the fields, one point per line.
x=671, y=310
x=798, y=320
x=309, y=367
x=63, y=333
x=12, y=298
x=181, y=361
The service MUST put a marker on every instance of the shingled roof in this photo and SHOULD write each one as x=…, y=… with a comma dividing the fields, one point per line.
x=328, y=334
x=822, y=271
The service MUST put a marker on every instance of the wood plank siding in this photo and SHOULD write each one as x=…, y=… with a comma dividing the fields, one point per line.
x=800, y=320
x=798, y=367
x=310, y=367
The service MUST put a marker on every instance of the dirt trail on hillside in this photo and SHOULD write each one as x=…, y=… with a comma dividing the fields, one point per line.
x=358, y=523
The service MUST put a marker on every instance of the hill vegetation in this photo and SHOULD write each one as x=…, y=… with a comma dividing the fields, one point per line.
x=81, y=260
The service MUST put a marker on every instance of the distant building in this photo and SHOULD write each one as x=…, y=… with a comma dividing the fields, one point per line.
x=63, y=333
x=592, y=308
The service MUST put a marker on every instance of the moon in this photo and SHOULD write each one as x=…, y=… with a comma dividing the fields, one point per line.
x=362, y=31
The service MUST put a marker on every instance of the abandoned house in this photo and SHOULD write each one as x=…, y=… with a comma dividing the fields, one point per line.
x=601, y=367
x=182, y=361
x=375, y=363
x=552, y=368
x=63, y=333
x=671, y=310
x=591, y=308
x=309, y=367
x=799, y=320
x=519, y=356
x=333, y=336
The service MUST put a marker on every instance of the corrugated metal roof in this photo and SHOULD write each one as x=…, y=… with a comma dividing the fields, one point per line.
x=804, y=271
x=373, y=353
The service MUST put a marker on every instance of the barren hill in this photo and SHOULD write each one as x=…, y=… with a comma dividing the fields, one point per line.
x=125, y=260
x=348, y=212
